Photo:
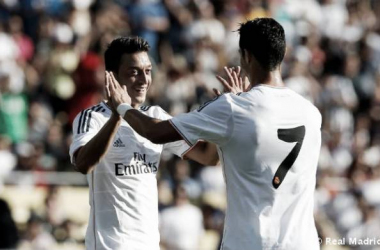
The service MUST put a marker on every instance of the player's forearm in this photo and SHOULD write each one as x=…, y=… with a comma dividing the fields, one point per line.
x=155, y=130
x=204, y=153
x=210, y=154
x=160, y=132
x=91, y=153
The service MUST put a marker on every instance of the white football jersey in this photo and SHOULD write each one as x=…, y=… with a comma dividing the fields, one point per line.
x=123, y=186
x=268, y=140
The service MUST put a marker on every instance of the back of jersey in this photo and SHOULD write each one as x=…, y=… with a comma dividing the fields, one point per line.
x=270, y=165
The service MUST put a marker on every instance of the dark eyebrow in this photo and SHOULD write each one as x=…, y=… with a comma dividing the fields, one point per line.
x=138, y=68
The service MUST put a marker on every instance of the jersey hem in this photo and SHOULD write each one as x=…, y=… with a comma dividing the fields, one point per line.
x=189, y=149
x=225, y=215
x=182, y=135
x=74, y=150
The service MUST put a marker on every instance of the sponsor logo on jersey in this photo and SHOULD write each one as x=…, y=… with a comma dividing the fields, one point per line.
x=139, y=166
x=118, y=143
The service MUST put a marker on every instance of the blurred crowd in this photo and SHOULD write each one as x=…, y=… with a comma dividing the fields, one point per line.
x=51, y=67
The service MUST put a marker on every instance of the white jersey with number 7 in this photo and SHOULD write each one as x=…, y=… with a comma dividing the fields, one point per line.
x=269, y=141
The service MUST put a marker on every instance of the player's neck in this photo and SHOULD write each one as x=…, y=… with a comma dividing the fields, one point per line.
x=272, y=78
x=135, y=105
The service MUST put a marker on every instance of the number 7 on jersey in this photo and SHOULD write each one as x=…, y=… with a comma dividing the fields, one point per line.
x=288, y=135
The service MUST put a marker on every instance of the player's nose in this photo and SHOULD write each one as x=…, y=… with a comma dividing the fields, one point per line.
x=144, y=79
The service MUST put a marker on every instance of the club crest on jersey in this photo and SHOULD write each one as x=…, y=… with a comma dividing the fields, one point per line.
x=119, y=143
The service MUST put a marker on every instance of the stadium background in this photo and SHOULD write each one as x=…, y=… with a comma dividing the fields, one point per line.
x=51, y=67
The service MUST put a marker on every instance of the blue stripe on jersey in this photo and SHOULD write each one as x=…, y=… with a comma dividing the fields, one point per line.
x=80, y=121
x=145, y=108
x=84, y=120
x=89, y=119
x=97, y=107
x=87, y=114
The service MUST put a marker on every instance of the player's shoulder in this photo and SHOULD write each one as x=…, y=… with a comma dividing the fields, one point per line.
x=93, y=116
x=146, y=108
x=305, y=102
x=219, y=102
x=97, y=110
x=317, y=116
x=154, y=111
x=309, y=108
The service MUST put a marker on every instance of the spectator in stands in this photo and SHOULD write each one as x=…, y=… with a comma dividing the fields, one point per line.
x=8, y=231
x=181, y=225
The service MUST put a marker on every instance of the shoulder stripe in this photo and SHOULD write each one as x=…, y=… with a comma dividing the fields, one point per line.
x=99, y=108
x=96, y=107
x=84, y=120
x=80, y=121
x=90, y=116
x=145, y=108
x=89, y=119
x=86, y=116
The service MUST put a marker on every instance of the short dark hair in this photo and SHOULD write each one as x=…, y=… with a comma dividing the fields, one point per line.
x=264, y=38
x=120, y=46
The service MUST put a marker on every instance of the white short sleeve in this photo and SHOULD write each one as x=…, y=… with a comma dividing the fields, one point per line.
x=212, y=122
x=179, y=148
x=85, y=127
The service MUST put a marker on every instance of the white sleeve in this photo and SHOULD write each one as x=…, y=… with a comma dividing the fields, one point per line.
x=179, y=148
x=85, y=127
x=212, y=122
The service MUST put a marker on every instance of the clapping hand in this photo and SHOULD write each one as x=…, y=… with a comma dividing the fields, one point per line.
x=235, y=83
x=116, y=94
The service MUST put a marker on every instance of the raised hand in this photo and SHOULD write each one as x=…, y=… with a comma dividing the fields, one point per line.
x=235, y=83
x=108, y=94
x=116, y=94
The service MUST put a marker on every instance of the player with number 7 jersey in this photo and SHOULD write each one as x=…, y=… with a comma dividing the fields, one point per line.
x=269, y=140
